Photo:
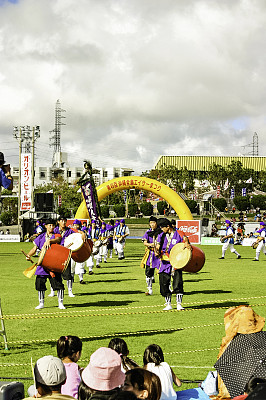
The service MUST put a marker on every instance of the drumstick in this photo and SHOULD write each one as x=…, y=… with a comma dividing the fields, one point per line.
x=26, y=255
x=69, y=245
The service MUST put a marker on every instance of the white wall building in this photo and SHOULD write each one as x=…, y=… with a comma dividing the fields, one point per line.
x=44, y=175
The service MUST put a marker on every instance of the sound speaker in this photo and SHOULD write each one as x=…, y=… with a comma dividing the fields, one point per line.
x=11, y=390
x=205, y=221
x=44, y=202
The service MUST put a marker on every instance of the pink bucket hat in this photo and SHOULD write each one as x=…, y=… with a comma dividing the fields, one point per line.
x=104, y=370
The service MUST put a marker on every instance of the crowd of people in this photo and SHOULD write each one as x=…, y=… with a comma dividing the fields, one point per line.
x=105, y=239
x=110, y=374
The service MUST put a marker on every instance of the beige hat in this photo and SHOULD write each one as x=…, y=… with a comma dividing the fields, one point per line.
x=50, y=371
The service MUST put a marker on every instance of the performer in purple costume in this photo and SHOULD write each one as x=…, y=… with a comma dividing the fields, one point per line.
x=110, y=245
x=68, y=274
x=167, y=239
x=152, y=261
x=44, y=240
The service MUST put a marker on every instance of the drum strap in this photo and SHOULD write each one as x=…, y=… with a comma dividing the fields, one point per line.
x=169, y=239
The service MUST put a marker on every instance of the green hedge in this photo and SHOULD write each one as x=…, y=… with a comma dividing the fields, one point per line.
x=146, y=208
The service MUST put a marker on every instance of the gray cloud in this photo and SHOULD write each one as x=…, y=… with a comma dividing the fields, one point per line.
x=137, y=79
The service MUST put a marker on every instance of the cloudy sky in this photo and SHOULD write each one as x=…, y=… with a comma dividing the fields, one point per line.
x=137, y=78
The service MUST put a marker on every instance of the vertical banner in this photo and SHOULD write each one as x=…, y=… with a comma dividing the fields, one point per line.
x=232, y=196
x=218, y=191
x=244, y=192
x=26, y=186
x=59, y=200
x=88, y=195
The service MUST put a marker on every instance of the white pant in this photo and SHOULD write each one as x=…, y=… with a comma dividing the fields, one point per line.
x=261, y=246
x=79, y=267
x=231, y=247
x=103, y=251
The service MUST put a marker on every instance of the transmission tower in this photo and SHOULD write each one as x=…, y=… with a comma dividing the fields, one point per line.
x=255, y=146
x=56, y=132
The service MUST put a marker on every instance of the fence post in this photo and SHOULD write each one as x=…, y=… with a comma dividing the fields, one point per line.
x=3, y=331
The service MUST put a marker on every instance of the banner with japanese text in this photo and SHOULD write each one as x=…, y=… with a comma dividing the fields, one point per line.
x=26, y=182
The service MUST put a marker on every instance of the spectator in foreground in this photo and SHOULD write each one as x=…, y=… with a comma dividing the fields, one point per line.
x=50, y=375
x=240, y=319
x=120, y=346
x=69, y=351
x=143, y=383
x=153, y=361
x=250, y=387
x=103, y=377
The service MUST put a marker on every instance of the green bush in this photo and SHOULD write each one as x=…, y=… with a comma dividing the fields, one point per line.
x=132, y=209
x=63, y=210
x=105, y=211
x=242, y=203
x=120, y=210
x=146, y=208
x=192, y=205
x=219, y=203
x=161, y=206
x=6, y=218
x=259, y=201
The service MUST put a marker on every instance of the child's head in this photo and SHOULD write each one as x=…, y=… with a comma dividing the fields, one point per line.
x=153, y=354
x=119, y=345
x=143, y=383
x=69, y=346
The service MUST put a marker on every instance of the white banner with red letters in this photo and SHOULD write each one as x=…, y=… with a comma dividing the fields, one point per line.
x=25, y=168
x=191, y=229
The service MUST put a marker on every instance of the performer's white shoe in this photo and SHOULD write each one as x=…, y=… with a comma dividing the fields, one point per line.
x=168, y=307
x=52, y=294
x=61, y=306
x=179, y=307
x=70, y=294
x=41, y=305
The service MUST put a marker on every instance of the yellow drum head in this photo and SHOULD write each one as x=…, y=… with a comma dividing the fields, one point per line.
x=179, y=256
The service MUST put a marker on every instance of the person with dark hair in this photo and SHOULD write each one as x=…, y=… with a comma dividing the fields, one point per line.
x=65, y=231
x=102, y=377
x=44, y=241
x=150, y=260
x=6, y=180
x=166, y=240
x=153, y=360
x=69, y=351
x=50, y=375
x=145, y=384
x=123, y=395
x=120, y=346
x=110, y=245
x=250, y=387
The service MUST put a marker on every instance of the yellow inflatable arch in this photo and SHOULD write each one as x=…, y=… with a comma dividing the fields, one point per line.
x=141, y=183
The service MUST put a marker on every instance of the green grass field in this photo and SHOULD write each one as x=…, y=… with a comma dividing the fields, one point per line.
x=113, y=303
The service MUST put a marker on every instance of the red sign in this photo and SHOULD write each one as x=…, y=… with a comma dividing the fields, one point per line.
x=59, y=200
x=191, y=229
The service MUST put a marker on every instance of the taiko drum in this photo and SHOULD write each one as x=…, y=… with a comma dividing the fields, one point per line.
x=81, y=250
x=55, y=259
x=188, y=260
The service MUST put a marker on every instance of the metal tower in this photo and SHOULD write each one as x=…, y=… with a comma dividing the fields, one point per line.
x=56, y=132
x=254, y=145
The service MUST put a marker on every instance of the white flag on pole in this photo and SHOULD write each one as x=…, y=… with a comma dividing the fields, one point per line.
x=226, y=185
x=184, y=185
x=249, y=180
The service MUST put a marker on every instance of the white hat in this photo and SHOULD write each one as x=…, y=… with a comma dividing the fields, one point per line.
x=50, y=371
